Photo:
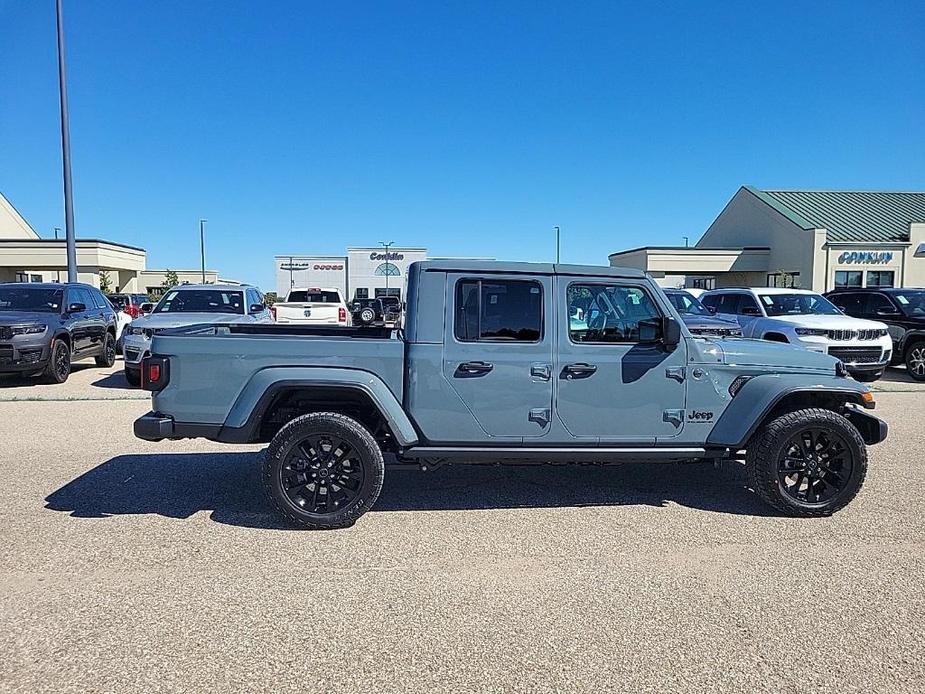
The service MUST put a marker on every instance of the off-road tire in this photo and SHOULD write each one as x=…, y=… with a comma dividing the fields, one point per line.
x=867, y=376
x=279, y=463
x=768, y=445
x=367, y=316
x=108, y=358
x=912, y=352
x=133, y=378
x=59, y=363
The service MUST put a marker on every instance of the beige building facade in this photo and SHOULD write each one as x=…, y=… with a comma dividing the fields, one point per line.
x=818, y=240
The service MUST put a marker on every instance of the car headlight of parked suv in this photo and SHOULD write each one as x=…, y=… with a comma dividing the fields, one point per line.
x=35, y=329
x=818, y=332
x=134, y=330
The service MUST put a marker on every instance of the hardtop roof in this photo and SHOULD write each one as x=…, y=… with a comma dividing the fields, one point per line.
x=521, y=268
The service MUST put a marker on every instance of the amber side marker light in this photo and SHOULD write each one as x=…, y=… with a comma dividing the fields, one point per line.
x=868, y=400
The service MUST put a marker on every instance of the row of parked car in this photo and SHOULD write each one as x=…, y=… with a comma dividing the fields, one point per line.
x=45, y=327
x=867, y=329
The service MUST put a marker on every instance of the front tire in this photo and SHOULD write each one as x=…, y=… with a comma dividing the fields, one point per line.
x=59, y=364
x=915, y=360
x=323, y=470
x=807, y=463
x=108, y=357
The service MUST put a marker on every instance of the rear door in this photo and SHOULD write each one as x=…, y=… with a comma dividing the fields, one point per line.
x=498, y=351
x=617, y=383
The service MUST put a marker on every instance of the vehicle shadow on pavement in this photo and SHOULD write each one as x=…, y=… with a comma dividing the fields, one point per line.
x=113, y=380
x=228, y=485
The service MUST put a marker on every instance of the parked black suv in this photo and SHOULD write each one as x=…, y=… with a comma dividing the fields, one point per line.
x=903, y=310
x=698, y=318
x=378, y=311
x=44, y=327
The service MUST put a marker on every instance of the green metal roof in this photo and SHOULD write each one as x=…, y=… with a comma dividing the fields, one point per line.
x=849, y=216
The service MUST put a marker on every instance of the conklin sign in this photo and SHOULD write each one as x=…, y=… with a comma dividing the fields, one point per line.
x=865, y=257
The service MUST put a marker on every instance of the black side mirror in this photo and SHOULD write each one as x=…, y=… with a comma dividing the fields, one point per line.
x=750, y=311
x=76, y=307
x=886, y=312
x=711, y=309
x=257, y=308
x=671, y=332
x=147, y=308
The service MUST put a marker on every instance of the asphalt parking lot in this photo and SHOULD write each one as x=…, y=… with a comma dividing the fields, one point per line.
x=133, y=566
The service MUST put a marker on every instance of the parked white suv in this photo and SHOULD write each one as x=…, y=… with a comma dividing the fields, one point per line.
x=316, y=306
x=809, y=320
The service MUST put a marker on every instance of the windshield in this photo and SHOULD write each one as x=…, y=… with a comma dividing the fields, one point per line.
x=27, y=298
x=316, y=297
x=687, y=304
x=797, y=305
x=201, y=301
x=912, y=303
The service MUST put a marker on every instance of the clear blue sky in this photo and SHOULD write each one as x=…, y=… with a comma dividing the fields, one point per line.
x=301, y=127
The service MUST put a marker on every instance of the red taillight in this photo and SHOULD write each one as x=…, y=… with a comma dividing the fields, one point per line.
x=273, y=312
x=341, y=314
x=155, y=373
x=133, y=310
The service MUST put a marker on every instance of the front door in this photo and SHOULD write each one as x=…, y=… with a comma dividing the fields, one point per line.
x=80, y=321
x=617, y=382
x=498, y=352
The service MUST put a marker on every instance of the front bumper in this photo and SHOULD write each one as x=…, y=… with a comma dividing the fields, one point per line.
x=134, y=349
x=856, y=355
x=872, y=429
x=21, y=355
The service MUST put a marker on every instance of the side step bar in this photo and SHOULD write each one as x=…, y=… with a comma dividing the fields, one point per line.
x=543, y=454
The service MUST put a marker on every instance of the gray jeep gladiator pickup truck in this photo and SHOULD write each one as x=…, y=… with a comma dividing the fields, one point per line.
x=503, y=361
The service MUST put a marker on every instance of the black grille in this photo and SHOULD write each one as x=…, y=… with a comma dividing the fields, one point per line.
x=6, y=332
x=857, y=355
x=6, y=353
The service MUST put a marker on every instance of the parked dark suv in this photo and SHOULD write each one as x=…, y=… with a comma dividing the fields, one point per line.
x=378, y=311
x=903, y=310
x=44, y=327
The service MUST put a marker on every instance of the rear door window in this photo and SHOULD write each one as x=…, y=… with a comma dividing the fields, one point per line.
x=315, y=297
x=499, y=311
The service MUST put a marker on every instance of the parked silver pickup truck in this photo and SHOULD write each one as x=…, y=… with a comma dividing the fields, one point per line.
x=511, y=361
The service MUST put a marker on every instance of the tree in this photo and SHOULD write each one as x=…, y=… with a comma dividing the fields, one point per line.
x=270, y=298
x=171, y=279
x=105, y=282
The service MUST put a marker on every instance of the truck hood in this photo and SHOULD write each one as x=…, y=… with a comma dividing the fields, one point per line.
x=825, y=322
x=160, y=321
x=26, y=317
x=776, y=355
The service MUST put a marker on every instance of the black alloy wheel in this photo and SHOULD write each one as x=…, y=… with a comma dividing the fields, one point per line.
x=807, y=463
x=322, y=474
x=323, y=470
x=108, y=357
x=59, y=364
x=815, y=466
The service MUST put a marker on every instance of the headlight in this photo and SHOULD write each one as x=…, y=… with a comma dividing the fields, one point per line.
x=883, y=332
x=134, y=330
x=28, y=329
x=818, y=332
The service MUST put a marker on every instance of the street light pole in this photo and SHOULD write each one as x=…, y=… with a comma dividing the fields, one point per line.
x=202, y=247
x=58, y=272
x=66, y=153
x=386, y=246
x=557, y=243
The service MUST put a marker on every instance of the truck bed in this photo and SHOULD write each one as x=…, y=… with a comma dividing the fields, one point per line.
x=218, y=361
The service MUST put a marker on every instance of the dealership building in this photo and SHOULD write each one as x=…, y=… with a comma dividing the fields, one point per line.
x=361, y=273
x=819, y=240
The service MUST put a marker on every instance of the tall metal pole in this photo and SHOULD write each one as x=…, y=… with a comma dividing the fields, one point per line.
x=58, y=272
x=386, y=246
x=202, y=247
x=557, y=244
x=66, y=154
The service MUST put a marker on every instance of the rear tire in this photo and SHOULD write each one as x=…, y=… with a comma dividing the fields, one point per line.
x=108, y=357
x=915, y=360
x=59, y=363
x=323, y=470
x=367, y=316
x=133, y=378
x=807, y=463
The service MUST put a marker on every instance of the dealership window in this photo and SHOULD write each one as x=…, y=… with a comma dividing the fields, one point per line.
x=387, y=270
x=788, y=280
x=879, y=278
x=361, y=293
x=391, y=291
x=848, y=278
x=499, y=311
x=22, y=277
x=702, y=282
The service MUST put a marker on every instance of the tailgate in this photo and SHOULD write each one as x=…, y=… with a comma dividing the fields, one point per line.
x=306, y=312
